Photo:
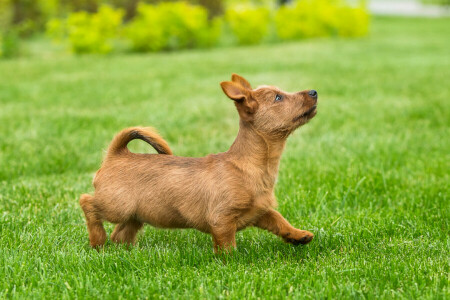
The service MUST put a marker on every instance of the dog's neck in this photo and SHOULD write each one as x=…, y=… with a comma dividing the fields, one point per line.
x=252, y=151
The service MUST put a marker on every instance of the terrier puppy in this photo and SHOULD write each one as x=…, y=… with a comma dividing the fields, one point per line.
x=217, y=194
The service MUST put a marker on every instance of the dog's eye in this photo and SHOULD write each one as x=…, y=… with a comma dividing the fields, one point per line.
x=278, y=97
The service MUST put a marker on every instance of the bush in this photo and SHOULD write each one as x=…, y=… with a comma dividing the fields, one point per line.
x=316, y=18
x=88, y=33
x=9, y=44
x=180, y=25
x=26, y=17
x=352, y=21
x=145, y=31
x=437, y=2
x=167, y=26
x=248, y=24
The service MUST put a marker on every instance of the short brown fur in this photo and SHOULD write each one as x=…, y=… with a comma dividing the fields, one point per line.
x=218, y=194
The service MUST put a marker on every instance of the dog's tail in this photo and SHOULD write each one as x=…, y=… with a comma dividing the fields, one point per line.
x=147, y=134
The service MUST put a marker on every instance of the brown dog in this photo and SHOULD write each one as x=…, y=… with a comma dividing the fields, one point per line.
x=217, y=194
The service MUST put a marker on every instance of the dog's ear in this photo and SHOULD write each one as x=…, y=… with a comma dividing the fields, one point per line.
x=234, y=90
x=241, y=80
x=242, y=97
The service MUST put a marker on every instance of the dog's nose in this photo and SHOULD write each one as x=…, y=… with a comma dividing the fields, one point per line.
x=313, y=93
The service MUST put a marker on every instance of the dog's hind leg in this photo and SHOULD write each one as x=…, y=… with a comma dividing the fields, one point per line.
x=97, y=234
x=126, y=232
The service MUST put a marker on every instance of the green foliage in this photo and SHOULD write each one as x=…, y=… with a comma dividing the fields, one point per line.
x=316, y=18
x=351, y=21
x=5, y=14
x=167, y=26
x=89, y=33
x=145, y=31
x=180, y=25
x=249, y=24
x=56, y=29
x=26, y=17
x=9, y=44
x=92, y=33
x=266, y=3
x=214, y=7
x=437, y=2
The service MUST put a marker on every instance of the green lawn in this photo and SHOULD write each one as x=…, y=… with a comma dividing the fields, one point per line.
x=368, y=176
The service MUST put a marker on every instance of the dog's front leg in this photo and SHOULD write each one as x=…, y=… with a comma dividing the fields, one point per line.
x=274, y=222
x=224, y=237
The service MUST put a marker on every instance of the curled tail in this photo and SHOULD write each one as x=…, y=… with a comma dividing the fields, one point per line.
x=147, y=134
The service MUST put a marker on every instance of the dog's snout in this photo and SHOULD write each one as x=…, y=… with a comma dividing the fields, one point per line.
x=312, y=93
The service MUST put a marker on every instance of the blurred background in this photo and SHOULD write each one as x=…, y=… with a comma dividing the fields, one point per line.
x=112, y=26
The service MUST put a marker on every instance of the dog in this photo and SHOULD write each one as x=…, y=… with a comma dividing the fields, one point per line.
x=218, y=194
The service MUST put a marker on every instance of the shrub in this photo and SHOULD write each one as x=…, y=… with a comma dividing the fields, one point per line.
x=26, y=17
x=316, y=18
x=167, y=26
x=9, y=44
x=179, y=24
x=9, y=39
x=145, y=31
x=352, y=21
x=88, y=33
x=248, y=24
x=56, y=29
x=92, y=33
x=437, y=2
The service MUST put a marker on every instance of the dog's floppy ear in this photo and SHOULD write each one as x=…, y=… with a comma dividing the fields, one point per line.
x=234, y=90
x=242, y=97
x=241, y=80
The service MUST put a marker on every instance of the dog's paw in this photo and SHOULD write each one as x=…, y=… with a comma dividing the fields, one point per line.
x=301, y=237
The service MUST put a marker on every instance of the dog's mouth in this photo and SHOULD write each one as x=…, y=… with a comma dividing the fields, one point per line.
x=307, y=114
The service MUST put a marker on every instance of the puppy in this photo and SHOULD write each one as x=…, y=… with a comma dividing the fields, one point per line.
x=217, y=194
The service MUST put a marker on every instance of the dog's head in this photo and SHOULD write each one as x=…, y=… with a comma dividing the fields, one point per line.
x=272, y=111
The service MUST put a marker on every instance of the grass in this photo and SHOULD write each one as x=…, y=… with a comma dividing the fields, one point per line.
x=369, y=175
